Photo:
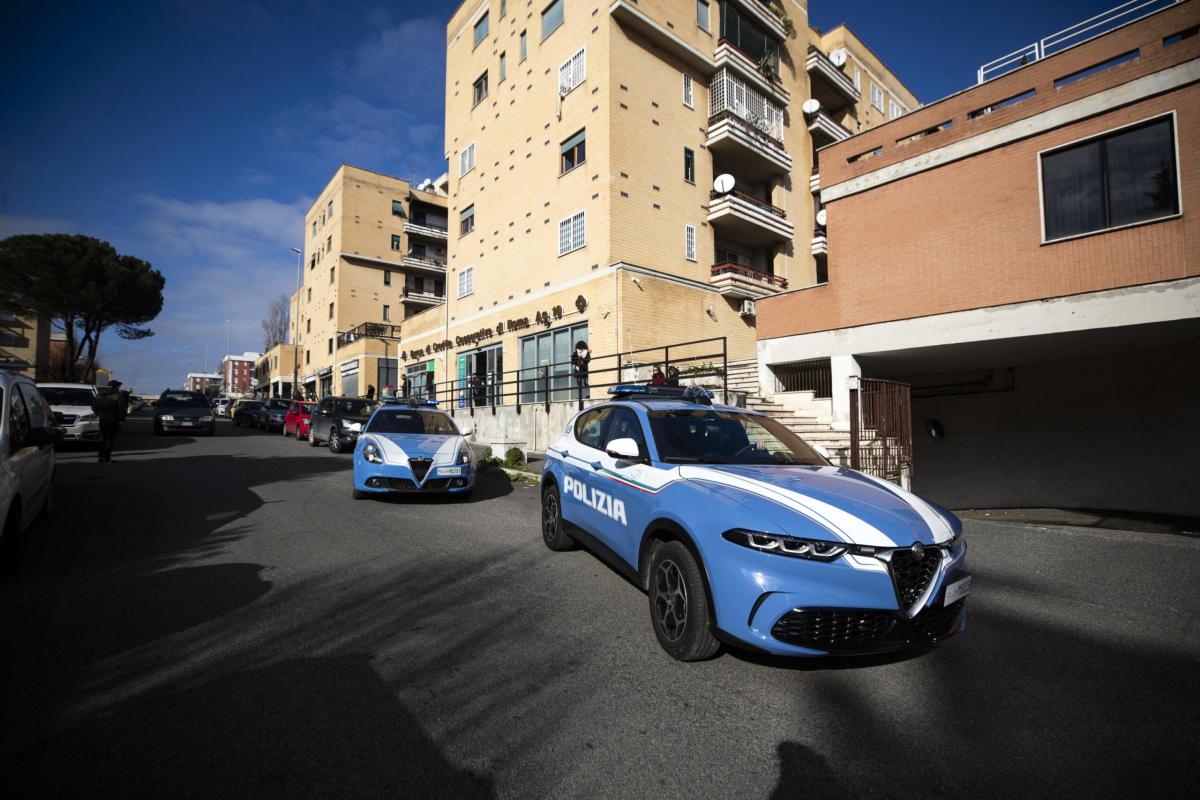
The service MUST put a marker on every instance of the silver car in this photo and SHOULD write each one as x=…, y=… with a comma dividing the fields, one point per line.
x=72, y=407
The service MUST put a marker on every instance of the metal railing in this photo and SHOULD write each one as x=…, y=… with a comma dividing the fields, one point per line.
x=749, y=198
x=438, y=262
x=726, y=267
x=1069, y=37
x=804, y=376
x=562, y=382
x=729, y=93
x=881, y=429
x=369, y=330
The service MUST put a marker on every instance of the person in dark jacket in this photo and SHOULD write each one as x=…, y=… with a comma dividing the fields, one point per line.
x=580, y=360
x=370, y=392
x=672, y=375
x=109, y=406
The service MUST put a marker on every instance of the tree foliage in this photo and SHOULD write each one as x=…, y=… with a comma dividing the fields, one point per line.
x=275, y=324
x=82, y=284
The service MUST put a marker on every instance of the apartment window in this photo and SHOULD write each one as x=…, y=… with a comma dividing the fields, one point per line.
x=702, y=14
x=574, y=152
x=466, y=221
x=329, y=243
x=332, y=271
x=688, y=91
x=524, y=46
x=689, y=165
x=329, y=210
x=397, y=208
x=387, y=313
x=503, y=8
x=1117, y=179
x=330, y=346
x=481, y=29
x=572, y=233
x=307, y=357
x=310, y=294
x=308, y=326
x=387, y=277
x=314, y=228
x=552, y=17
x=395, y=242
x=466, y=281
x=480, y=89
x=572, y=72
x=893, y=109
x=331, y=310
x=503, y=67
x=466, y=159
x=877, y=97
x=857, y=79
x=689, y=242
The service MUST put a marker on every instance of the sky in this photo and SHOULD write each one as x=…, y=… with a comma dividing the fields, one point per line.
x=195, y=134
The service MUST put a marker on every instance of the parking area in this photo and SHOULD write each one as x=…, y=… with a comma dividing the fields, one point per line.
x=218, y=617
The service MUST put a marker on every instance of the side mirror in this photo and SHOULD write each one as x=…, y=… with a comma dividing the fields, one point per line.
x=820, y=448
x=466, y=430
x=624, y=449
x=37, y=437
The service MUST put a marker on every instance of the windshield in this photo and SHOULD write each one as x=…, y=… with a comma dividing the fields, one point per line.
x=408, y=421
x=63, y=396
x=182, y=400
x=352, y=407
x=278, y=403
x=709, y=436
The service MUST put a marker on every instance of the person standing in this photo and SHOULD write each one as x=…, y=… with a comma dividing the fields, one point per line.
x=580, y=360
x=110, y=409
x=657, y=378
x=370, y=392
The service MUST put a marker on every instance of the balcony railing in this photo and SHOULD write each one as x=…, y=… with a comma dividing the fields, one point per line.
x=752, y=200
x=729, y=94
x=412, y=295
x=369, y=330
x=437, y=263
x=817, y=63
x=729, y=267
x=425, y=230
x=765, y=71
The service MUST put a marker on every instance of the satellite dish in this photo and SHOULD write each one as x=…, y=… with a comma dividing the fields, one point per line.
x=723, y=184
x=838, y=57
x=821, y=218
x=811, y=106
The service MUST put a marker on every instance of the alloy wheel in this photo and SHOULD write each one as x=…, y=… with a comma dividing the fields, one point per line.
x=670, y=600
x=550, y=517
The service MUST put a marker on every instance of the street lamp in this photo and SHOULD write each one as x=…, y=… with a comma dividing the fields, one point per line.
x=296, y=326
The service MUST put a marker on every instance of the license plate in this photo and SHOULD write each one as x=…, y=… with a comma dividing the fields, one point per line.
x=958, y=590
x=450, y=471
x=188, y=424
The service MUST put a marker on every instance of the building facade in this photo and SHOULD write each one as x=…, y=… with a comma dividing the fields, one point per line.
x=207, y=382
x=583, y=144
x=374, y=255
x=274, y=370
x=25, y=346
x=237, y=374
x=1022, y=253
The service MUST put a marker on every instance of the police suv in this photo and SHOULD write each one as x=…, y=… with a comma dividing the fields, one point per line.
x=742, y=533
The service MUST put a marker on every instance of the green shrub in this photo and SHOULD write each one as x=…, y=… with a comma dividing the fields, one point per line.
x=514, y=458
x=486, y=459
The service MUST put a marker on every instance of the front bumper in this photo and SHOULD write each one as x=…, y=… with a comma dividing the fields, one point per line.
x=185, y=426
x=398, y=479
x=81, y=432
x=790, y=606
x=274, y=423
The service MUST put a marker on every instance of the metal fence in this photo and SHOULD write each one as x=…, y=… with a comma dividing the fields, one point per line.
x=881, y=429
x=804, y=376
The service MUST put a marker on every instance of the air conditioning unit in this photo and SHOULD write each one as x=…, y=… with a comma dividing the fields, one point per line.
x=747, y=309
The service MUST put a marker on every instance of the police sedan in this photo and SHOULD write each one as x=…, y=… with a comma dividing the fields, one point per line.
x=742, y=533
x=408, y=446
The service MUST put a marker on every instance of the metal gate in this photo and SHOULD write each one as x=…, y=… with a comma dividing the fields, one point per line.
x=881, y=429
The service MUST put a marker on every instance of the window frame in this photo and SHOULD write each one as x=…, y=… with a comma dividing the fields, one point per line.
x=546, y=34
x=689, y=90
x=478, y=38
x=524, y=46
x=707, y=26
x=462, y=158
x=571, y=245
x=466, y=271
x=395, y=243
x=476, y=98
x=877, y=89
x=1146, y=121
x=387, y=277
x=689, y=229
x=579, y=57
x=462, y=220
x=578, y=148
x=387, y=312
x=689, y=159
x=503, y=67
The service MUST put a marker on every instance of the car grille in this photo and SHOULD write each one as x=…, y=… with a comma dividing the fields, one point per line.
x=833, y=628
x=912, y=575
x=420, y=467
x=937, y=623
x=65, y=419
x=407, y=485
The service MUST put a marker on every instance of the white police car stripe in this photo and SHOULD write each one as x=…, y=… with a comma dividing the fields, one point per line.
x=939, y=528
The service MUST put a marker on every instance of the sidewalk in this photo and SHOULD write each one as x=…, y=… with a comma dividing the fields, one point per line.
x=1113, y=520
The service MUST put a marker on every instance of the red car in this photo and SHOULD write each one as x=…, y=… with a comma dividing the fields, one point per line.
x=296, y=421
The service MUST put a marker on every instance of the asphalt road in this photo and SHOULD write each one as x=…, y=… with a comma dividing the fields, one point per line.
x=218, y=618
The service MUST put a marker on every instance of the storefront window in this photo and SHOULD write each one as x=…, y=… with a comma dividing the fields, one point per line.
x=420, y=379
x=388, y=376
x=480, y=377
x=549, y=354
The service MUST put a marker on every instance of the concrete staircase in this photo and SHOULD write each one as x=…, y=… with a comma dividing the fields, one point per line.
x=803, y=414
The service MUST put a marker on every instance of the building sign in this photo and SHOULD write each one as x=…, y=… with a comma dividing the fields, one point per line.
x=324, y=372
x=350, y=366
x=546, y=318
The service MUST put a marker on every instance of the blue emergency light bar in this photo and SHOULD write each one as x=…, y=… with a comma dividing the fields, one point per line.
x=688, y=394
x=408, y=401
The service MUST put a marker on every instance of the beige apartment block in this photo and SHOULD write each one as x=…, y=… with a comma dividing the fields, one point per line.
x=374, y=254
x=25, y=345
x=584, y=138
x=273, y=371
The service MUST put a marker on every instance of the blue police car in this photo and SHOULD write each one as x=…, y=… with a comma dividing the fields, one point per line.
x=409, y=446
x=742, y=533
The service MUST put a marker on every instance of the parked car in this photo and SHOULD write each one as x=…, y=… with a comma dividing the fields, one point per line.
x=271, y=414
x=411, y=447
x=71, y=404
x=741, y=532
x=246, y=412
x=297, y=419
x=27, y=439
x=222, y=408
x=181, y=410
x=338, y=421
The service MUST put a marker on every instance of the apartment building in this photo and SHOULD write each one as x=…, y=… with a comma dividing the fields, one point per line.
x=203, y=382
x=237, y=374
x=374, y=255
x=25, y=345
x=584, y=139
x=1021, y=254
x=274, y=371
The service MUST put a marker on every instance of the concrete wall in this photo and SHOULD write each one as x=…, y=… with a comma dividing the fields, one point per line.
x=1111, y=432
x=531, y=430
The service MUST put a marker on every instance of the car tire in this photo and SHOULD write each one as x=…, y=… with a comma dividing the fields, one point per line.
x=554, y=534
x=679, y=603
x=335, y=444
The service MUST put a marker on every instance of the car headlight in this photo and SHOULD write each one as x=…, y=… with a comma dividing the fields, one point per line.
x=88, y=418
x=167, y=418
x=352, y=426
x=371, y=453
x=206, y=419
x=794, y=546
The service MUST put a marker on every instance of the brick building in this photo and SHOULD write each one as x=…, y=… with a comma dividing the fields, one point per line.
x=237, y=374
x=1022, y=254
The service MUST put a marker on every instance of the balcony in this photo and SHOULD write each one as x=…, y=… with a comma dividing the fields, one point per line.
x=428, y=231
x=747, y=219
x=424, y=299
x=745, y=129
x=820, y=243
x=765, y=17
x=829, y=84
x=369, y=330
x=825, y=130
x=743, y=283
x=431, y=264
x=814, y=182
x=729, y=56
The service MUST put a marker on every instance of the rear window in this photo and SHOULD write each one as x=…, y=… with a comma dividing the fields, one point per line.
x=411, y=421
x=182, y=400
x=351, y=407
x=278, y=403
